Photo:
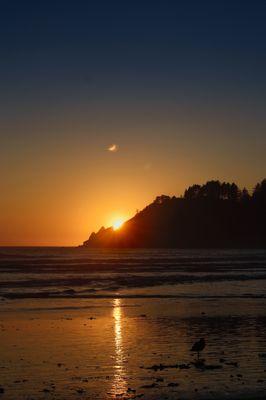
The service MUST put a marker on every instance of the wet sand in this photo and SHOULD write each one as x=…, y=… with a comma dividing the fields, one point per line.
x=132, y=348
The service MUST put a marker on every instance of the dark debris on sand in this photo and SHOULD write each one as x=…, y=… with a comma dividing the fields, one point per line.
x=173, y=384
x=150, y=386
x=199, y=364
x=161, y=367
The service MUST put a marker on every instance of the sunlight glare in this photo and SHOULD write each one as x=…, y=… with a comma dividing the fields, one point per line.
x=119, y=382
x=118, y=223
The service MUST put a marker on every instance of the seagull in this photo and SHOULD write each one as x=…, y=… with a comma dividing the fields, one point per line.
x=198, y=346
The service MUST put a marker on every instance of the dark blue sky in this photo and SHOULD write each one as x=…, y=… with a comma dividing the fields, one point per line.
x=83, y=44
x=178, y=85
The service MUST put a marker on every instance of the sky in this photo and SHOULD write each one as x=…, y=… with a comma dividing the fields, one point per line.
x=105, y=105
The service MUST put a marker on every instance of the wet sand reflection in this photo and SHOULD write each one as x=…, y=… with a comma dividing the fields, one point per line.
x=119, y=385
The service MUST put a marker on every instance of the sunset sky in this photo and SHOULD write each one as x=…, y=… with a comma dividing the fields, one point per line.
x=105, y=105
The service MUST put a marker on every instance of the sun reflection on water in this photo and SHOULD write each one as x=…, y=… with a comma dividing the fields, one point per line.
x=119, y=382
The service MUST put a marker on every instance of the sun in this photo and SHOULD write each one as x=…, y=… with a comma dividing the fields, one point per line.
x=117, y=224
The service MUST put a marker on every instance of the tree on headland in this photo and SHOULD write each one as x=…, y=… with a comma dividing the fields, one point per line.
x=211, y=190
x=259, y=193
x=245, y=196
x=161, y=199
x=192, y=192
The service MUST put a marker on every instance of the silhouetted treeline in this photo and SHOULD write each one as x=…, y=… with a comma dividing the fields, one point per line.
x=216, y=190
x=211, y=215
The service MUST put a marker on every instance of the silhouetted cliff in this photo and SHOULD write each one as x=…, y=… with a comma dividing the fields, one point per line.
x=212, y=215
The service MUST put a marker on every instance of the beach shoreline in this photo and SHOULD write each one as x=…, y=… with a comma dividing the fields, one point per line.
x=120, y=324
